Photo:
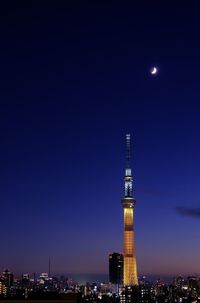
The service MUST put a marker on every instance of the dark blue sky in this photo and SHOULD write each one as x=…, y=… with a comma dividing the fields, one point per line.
x=74, y=80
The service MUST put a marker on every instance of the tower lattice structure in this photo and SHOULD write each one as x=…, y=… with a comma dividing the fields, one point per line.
x=128, y=203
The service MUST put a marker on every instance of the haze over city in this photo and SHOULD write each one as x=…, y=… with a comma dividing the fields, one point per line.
x=75, y=78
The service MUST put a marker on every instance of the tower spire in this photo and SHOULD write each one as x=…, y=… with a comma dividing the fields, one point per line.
x=49, y=267
x=128, y=150
x=128, y=175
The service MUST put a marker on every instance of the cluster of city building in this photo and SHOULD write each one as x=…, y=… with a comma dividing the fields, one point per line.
x=178, y=290
x=43, y=286
x=34, y=286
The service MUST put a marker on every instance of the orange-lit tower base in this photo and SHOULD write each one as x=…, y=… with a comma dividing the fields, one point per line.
x=128, y=203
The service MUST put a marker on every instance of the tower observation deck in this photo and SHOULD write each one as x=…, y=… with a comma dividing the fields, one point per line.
x=128, y=203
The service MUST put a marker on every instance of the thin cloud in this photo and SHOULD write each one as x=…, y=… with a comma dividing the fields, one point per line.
x=188, y=212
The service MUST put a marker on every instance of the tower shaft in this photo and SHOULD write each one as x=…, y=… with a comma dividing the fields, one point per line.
x=128, y=203
x=130, y=266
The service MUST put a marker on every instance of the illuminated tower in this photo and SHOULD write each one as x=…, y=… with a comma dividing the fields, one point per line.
x=128, y=203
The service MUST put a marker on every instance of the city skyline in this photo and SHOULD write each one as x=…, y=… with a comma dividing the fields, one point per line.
x=75, y=78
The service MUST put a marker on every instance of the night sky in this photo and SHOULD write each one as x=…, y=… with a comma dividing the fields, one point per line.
x=74, y=80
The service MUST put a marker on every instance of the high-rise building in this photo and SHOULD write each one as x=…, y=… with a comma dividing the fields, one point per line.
x=8, y=278
x=3, y=290
x=116, y=268
x=128, y=203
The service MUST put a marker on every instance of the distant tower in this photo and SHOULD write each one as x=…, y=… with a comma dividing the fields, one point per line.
x=128, y=204
x=49, y=267
x=116, y=268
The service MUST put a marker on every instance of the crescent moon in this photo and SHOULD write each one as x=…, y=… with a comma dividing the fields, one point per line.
x=154, y=71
